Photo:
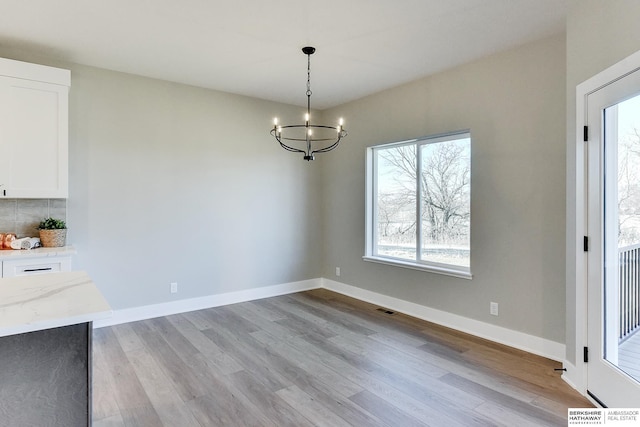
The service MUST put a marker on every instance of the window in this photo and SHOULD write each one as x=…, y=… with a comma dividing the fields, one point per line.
x=419, y=204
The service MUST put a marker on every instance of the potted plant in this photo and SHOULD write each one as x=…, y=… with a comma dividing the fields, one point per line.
x=53, y=232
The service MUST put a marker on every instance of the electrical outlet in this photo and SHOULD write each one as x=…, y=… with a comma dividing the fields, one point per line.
x=338, y=271
x=493, y=308
x=174, y=287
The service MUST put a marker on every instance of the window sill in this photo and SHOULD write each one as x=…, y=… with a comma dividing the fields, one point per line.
x=461, y=274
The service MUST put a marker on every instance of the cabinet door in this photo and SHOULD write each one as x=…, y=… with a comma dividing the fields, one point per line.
x=45, y=377
x=33, y=139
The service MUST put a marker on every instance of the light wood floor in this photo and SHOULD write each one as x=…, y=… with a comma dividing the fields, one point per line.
x=316, y=358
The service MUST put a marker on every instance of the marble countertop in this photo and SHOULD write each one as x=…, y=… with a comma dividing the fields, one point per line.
x=45, y=301
x=8, y=254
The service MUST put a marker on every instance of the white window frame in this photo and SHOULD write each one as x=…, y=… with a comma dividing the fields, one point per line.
x=371, y=211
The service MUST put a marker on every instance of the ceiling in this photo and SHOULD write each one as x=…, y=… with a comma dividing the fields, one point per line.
x=253, y=47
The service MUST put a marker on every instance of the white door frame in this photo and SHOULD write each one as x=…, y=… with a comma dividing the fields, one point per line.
x=576, y=375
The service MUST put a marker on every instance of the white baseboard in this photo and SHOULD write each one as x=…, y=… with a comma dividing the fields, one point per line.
x=532, y=344
x=182, y=306
x=575, y=377
x=520, y=340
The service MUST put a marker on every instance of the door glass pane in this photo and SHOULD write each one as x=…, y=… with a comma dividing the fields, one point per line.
x=396, y=202
x=445, y=210
x=622, y=236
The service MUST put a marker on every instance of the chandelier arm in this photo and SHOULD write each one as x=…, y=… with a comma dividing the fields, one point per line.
x=293, y=150
x=285, y=146
x=320, y=127
x=327, y=149
x=279, y=135
x=304, y=140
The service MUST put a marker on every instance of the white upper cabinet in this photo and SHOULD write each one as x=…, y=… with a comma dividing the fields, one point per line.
x=34, y=134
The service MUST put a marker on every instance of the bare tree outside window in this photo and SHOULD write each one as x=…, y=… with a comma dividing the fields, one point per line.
x=423, y=199
x=446, y=175
x=397, y=202
x=628, y=151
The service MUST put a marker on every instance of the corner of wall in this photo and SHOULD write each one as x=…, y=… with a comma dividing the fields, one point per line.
x=574, y=377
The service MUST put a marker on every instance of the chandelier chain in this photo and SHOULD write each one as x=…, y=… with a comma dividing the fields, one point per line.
x=309, y=75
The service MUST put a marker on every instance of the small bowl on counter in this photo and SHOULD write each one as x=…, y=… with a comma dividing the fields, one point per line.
x=6, y=239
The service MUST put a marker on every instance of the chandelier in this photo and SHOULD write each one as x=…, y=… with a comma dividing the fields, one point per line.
x=310, y=138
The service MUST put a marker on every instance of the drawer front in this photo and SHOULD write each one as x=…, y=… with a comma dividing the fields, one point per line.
x=35, y=266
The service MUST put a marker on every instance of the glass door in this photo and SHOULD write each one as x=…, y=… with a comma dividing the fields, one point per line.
x=613, y=151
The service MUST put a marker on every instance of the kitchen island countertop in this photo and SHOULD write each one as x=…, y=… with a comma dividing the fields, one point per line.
x=45, y=301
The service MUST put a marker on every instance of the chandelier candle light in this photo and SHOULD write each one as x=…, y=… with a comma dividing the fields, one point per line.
x=318, y=138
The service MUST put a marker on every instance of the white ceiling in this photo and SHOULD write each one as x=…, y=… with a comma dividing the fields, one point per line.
x=252, y=47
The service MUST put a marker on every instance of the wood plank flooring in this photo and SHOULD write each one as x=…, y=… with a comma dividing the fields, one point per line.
x=316, y=358
x=629, y=356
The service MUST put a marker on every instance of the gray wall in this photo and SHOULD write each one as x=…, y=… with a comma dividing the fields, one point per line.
x=599, y=34
x=514, y=105
x=172, y=183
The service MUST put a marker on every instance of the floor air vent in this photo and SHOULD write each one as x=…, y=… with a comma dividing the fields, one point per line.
x=386, y=311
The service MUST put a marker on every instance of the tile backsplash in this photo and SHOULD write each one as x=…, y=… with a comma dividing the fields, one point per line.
x=22, y=216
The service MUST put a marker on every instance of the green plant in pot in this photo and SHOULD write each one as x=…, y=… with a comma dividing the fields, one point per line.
x=53, y=232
